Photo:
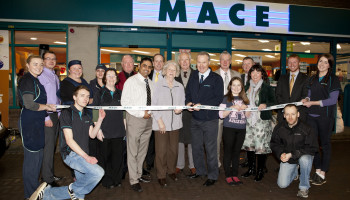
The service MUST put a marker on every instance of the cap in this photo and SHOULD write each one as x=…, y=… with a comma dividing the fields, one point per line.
x=74, y=62
x=101, y=66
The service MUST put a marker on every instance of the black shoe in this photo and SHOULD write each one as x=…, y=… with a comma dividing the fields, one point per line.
x=144, y=179
x=244, y=165
x=57, y=178
x=109, y=187
x=173, y=177
x=193, y=176
x=54, y=184
x=149, y=167
x=162, y=182
x=145, y=173
x=318, y=180
x=209, y=182
x=136, y=187
x=259, y=175
x=250, y=172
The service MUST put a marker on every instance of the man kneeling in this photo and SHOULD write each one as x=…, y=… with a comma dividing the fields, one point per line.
x=294, y=143
x=76, y=127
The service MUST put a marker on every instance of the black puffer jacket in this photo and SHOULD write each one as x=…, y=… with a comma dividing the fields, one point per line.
x=299, y=140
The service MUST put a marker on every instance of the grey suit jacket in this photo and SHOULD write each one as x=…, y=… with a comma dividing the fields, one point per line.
x=232, y=72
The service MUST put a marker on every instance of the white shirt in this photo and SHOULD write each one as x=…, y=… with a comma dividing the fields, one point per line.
x=206, y=74
x=222, y=73
x=135, y=94
x=160, y=76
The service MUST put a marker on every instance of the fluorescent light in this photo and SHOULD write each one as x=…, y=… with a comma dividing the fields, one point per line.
x=240, y=55
x=233, y=48
x=239, y=61
x=33, y=38
x=57, y=42
x=173, y=52
x=113, y=51
x=214, y=60
x=305, y=43
x=338, y=46
x=307, y=51
x=133, y=29
x=199, y=31
x=269, y=56
x=211, y=54
x=263, y=41
x=266, y=49
x=137, y=51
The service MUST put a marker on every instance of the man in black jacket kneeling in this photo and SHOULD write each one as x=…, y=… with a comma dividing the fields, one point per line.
x=295, y=144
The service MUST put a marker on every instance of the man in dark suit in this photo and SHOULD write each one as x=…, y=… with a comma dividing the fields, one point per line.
x=247, y=63
x=204, y=88
x=155, y=76
x=291, y=87
x=185, y=137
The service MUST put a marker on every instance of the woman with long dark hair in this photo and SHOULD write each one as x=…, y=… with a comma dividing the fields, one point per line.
x=259, y=129
x=324, y=88
x=234, y=129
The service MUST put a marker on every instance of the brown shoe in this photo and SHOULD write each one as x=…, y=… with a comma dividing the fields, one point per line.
x=193, y=170
x=173, y=176
x=178, y=170
x=162, y=182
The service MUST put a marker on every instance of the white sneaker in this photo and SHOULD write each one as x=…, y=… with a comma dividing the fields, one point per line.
x=71, y=193
x=303, y=193
x=39, y=192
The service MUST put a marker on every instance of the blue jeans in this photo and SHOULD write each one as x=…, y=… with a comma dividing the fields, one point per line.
x=87, y=177
x=288, y=172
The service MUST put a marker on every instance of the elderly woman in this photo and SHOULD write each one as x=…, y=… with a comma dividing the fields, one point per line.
x=33, y=99
x=258, y=130
x=73, y=80
x=167, y=123
x=110, y=149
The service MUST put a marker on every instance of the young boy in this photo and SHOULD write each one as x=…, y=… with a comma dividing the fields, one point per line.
x=76, y=128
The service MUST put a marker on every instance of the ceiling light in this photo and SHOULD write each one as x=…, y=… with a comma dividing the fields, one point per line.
x=238, y=61
x=266, y=49
x=338, y=46
x=214, y=60
x=211, y=54
x=305, y=43
x=33, y=38
x=269, y=56
x=133, y=29
x=263, y=41
x=233, y=48
x=173, y=52
x=137, y=51
x=57, y=42
x=240, y=55
x=307, y=51
x=113, y=51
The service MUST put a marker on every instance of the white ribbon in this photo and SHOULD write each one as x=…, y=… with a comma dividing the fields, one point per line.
x=202, y=107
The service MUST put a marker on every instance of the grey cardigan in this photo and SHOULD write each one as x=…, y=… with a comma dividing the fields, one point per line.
x=164, y=96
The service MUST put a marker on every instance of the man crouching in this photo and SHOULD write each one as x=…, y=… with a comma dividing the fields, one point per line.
x=76, y=127
x=294, y=143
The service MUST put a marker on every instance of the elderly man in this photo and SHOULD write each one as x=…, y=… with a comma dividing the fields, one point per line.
x=247, y=63
x=185, y=132
x=128, y=70
x=204, y=88
x=226, y=74
x=137, y=92
x=291, y=87
x=294, y=143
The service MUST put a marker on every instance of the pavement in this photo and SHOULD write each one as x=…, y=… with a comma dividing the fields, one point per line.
x=337, y=186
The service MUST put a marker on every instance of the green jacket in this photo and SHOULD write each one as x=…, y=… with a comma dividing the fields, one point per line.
x=266, y=96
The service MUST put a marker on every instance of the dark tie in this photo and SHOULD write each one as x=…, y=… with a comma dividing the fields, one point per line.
x=185, y=74
x=202, y=78
x=148, y=93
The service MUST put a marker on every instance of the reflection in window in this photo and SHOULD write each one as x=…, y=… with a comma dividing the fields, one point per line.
x=40, y=37
x=308, y=47
x=256, y=44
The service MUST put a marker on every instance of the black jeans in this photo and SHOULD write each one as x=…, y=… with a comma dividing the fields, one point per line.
x=110, y=158
x=323, y=127
x=233, y=140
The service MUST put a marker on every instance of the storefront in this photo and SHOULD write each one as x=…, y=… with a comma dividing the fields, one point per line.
x=101, y=32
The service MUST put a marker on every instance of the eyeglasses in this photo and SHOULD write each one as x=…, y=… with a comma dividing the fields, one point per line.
x=53, y=59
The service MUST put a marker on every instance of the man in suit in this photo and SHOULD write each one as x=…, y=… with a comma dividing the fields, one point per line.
x=128, y=70
x=204, y=88
x=291, y=87
x=226, y=74
x=155, y=76
x=185, y=132
x=247, y=63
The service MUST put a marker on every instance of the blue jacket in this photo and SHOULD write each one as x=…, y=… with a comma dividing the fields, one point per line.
x=210, y=92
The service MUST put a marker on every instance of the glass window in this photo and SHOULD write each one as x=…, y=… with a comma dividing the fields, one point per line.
x=343, y=63
x=40, y=37
x=256, y=44
x=308, y=47
x=343, y=48
x=112, y=56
